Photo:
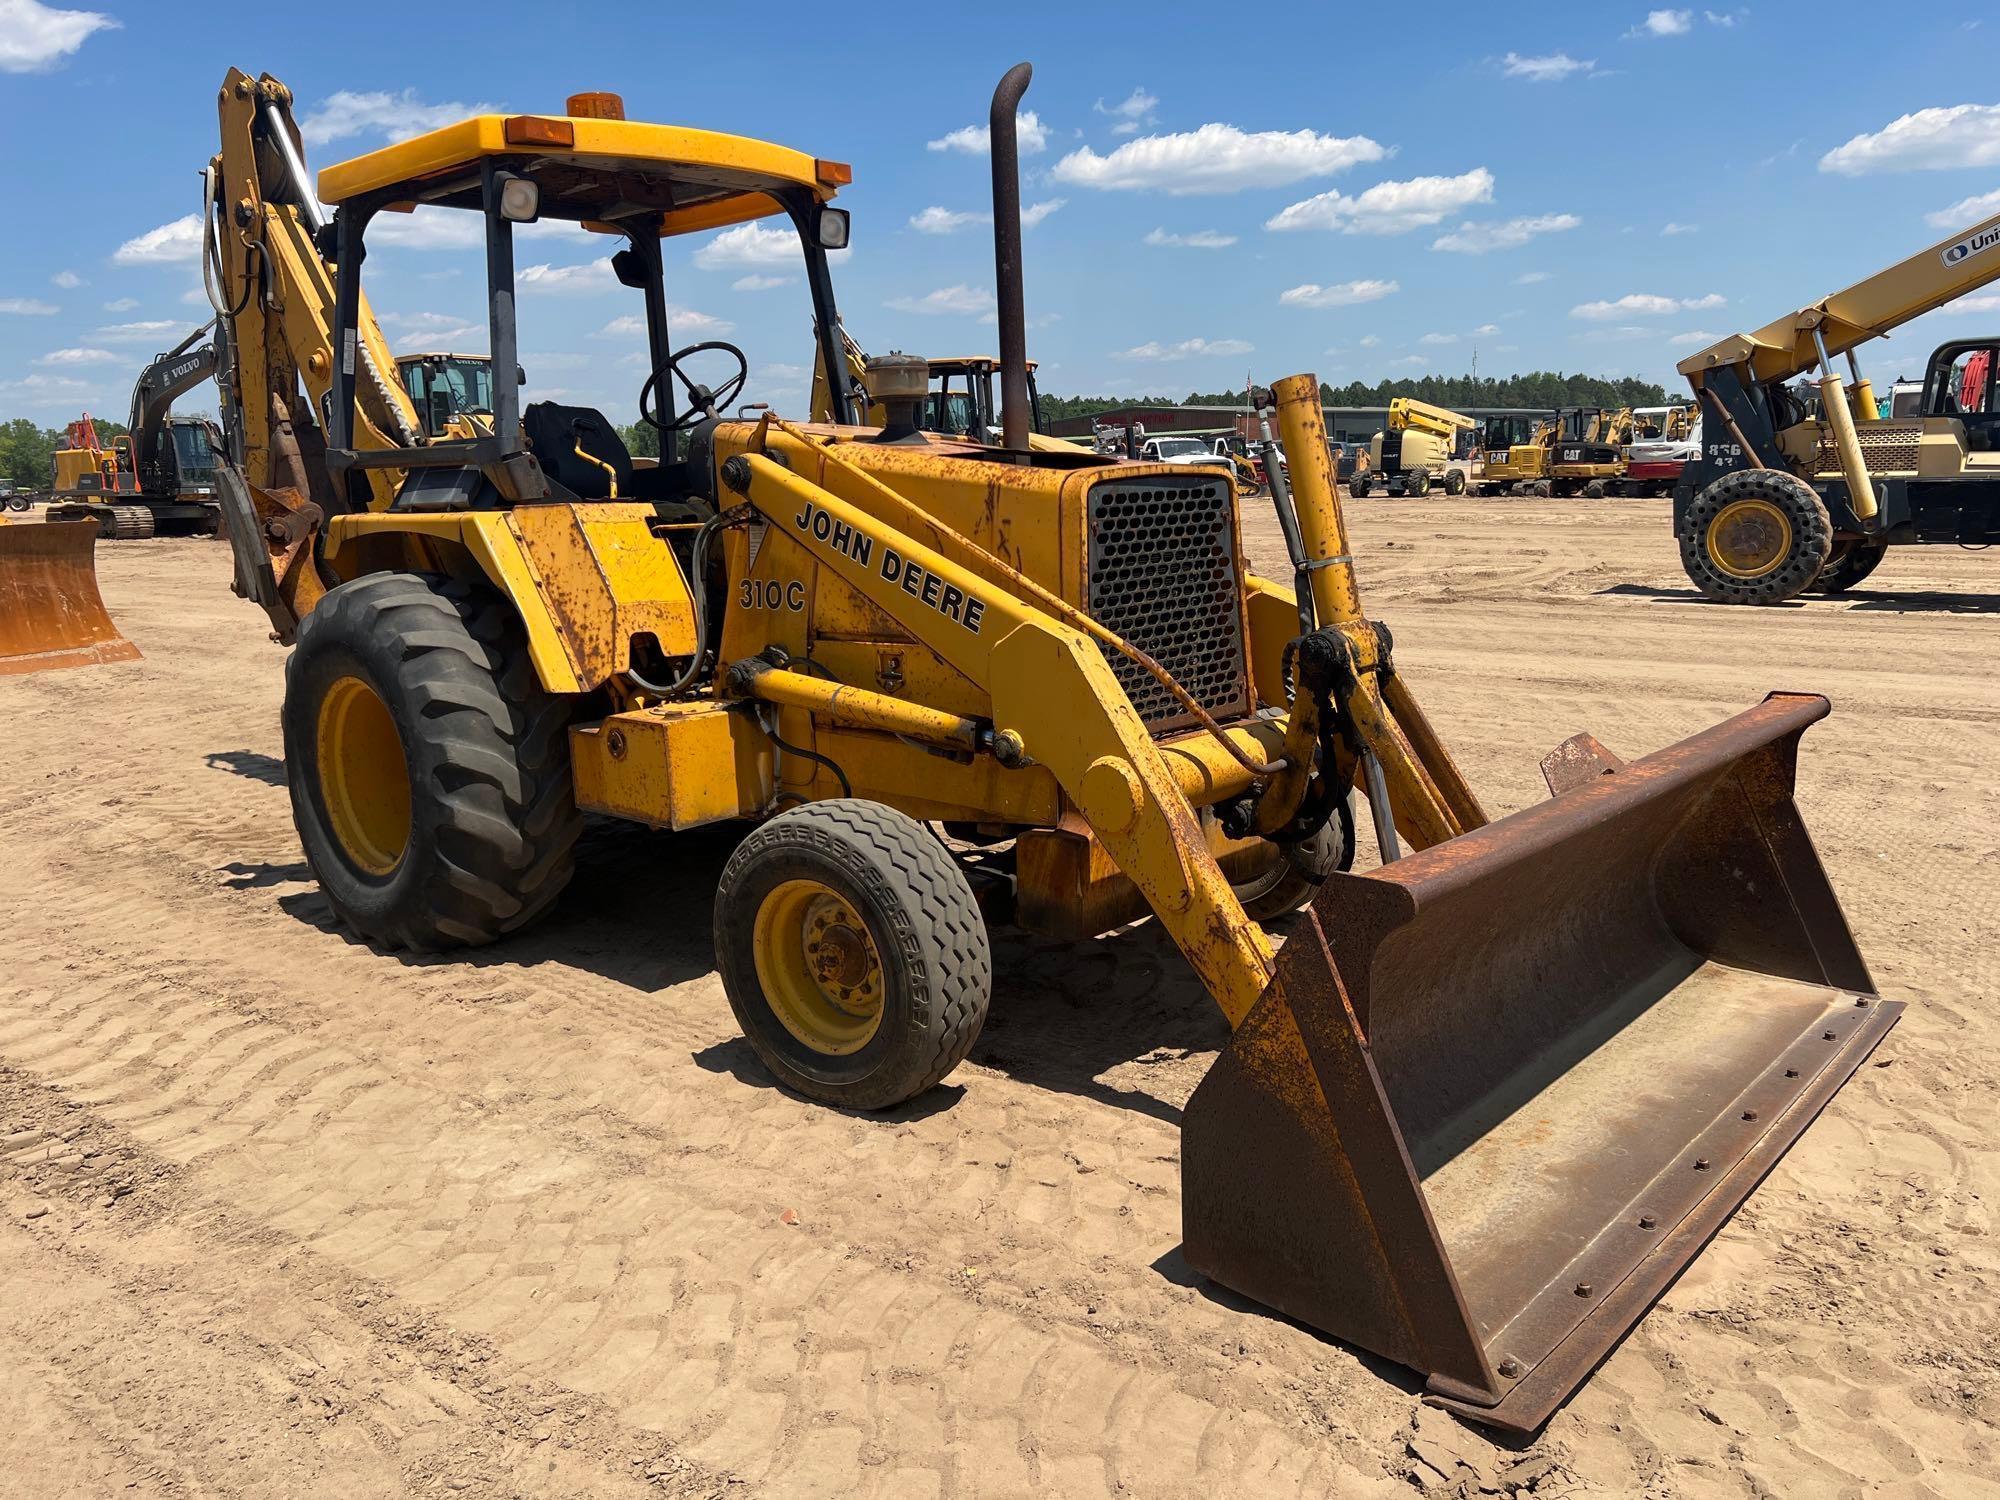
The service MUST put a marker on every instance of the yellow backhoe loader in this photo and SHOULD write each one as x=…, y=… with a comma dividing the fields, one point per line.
x=1414, y=450
x=1785, y=497
x=1483, y=1106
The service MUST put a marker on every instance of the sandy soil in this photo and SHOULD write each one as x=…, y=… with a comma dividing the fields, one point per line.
x=283, y=1216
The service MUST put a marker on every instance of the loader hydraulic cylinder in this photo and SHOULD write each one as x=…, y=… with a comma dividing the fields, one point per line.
x=1835, y=412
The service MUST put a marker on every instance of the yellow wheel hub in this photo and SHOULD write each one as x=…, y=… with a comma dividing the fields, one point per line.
x=1749, y=538
x=818, y=967
x=364, y=781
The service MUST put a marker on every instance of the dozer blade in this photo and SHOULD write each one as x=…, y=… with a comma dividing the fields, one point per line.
x=1502, y=1091
x=51, y=614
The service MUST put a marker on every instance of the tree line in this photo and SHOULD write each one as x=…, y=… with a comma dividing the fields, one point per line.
x=1541, y=390
x=27, y=452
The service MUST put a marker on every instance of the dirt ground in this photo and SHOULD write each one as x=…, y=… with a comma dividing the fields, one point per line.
x=282, y=1216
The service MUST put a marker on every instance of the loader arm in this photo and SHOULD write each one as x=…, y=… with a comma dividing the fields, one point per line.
x=1408, y=414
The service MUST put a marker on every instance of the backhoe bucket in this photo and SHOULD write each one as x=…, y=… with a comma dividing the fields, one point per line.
x=1502, y=1091
x=51, y=614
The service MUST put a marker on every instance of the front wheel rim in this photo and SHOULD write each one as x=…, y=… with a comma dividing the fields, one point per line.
x=818, y=967
x=364, y=779
x=1749, y=539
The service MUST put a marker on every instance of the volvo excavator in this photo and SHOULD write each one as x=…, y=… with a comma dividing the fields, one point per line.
x=1415, y=449
x=1475, y=1115
x=1790, y=494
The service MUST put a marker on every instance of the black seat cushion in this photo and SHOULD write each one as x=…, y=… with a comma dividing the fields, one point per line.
x=554, y=432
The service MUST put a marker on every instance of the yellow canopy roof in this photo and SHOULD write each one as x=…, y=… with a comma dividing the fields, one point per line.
x=594, y=169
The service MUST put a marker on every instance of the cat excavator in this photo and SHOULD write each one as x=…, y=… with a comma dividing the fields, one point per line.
x=1791, y=493
x=1486, y=1102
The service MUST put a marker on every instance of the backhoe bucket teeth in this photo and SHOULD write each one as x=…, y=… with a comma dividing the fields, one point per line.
x=1502, y=1091
x=51, y=614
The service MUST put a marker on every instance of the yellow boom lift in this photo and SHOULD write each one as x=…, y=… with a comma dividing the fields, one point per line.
x=1483, y=1106
x=1414, y=450
x=1789, y=493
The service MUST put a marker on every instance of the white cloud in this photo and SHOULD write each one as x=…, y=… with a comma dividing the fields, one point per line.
x=1530, y=278
x=1664, y=23
x=1216, y=159
x=591, y=276
x=47, y=390
x=394, y=117
x=1730, y=18
x=976, y=140
x=754, y=245
x=1439, y=338
x=936, y=220
x=1368, y=341
x=1186, y=349
x=135, y=333
x=961, y=299
x=169, y=244
x=69, y=281
x=1678, y=228
x=627, y=326
x=1411, y=360
x=1201, y=239
x=35, y=37
x=1485, y=330
x=1481, y=236
x=80, y=357
x=1388, y=207
x=1136, y=110
x=1694, y=336
x=680, y=319
x=1645, y=305
x=755, y=283
x=1340, y=294
x=1966, y=211
x=1963, y=135
x=28, y=307
x=1986, y=303
x=1553, y=68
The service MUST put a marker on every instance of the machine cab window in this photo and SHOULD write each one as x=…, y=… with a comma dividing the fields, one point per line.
x=481, y=445
x=1960, y=384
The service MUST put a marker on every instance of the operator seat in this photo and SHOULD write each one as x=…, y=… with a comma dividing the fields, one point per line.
x=554, y=433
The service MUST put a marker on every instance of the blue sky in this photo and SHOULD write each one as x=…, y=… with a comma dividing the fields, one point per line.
x=1574, y=187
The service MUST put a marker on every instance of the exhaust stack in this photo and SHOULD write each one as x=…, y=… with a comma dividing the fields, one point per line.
x=1007, y=286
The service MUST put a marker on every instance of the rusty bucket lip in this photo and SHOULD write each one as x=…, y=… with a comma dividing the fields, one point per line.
x=50, y=541
x=1525, y=1402
x=1545, y=824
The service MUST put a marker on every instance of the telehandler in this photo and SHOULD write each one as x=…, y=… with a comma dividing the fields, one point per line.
x=1783, y=497
x=1481, y=1108
x=1414, y=449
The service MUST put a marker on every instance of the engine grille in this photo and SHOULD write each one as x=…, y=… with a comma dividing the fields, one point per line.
x=1886, y=447
x=1162, y=574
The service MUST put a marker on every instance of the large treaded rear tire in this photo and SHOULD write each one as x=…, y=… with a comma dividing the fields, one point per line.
x=493, y=821
x=1810, y=537
x=935, y=953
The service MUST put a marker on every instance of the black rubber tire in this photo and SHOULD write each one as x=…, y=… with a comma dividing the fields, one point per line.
x=1812, y=537
x=130, y=523
x=1418, y=484
x=1850, y=562
x=1302, y=870
x=1358, y=487
x=1594, y=490
x=927, y=928
x=1454, y=481
x=493, y=819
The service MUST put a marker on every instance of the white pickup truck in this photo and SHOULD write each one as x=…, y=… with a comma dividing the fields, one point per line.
x=1183, y=450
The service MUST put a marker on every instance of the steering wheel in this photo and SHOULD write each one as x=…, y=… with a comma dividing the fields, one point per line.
x=702, y=402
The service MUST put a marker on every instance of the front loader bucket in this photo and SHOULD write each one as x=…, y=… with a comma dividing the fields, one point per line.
x=1502, y=1091
x=51, y=614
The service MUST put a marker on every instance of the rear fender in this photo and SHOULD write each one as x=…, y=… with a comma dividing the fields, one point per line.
x=583, y=580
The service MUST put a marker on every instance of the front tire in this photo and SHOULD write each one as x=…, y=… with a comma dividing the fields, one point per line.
x=1417, y=485
x=1454, y=481
x=1755, y=536
x=1358, y=488
x=429, y=771
x=853, y=953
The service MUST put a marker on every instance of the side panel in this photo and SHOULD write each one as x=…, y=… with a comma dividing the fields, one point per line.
x=583, y=579
x=676, y=765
